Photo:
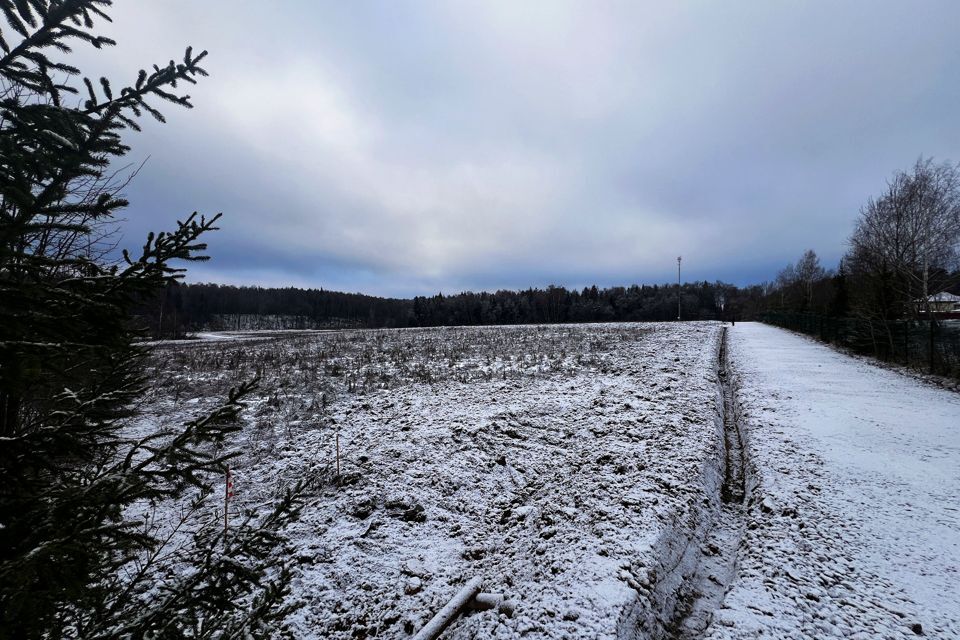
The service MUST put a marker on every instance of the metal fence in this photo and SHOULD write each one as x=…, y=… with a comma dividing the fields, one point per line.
x=932, y=346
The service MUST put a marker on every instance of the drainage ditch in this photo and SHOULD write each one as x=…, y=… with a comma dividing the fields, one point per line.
x=703, y=589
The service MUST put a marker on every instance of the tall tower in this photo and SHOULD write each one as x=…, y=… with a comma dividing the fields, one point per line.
x=679, y=258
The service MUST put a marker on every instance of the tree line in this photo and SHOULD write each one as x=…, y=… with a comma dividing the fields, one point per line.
x=181, y=308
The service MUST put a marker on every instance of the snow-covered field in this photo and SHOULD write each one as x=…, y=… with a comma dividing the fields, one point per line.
x=568, y=466
x=614, y=481
x=855, y=527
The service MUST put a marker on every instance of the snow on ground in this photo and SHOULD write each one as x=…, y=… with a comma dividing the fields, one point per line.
x=569, y=466
x=854, y=526
x=214, y=336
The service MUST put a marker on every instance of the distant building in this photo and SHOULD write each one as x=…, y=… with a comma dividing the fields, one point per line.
x=942, y=304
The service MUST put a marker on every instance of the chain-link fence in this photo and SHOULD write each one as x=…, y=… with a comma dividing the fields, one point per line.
x=933, y=346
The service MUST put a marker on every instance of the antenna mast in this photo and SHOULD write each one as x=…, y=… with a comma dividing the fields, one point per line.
x=679, y=258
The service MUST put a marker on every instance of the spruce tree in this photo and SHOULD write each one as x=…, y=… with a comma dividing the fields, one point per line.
x=74, y=562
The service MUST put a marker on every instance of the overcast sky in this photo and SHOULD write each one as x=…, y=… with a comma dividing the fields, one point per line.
x=403, y=148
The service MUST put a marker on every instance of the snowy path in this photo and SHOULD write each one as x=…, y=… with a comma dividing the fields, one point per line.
x=854, y=525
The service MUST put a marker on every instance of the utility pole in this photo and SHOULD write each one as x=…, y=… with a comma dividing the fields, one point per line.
x=678, y=286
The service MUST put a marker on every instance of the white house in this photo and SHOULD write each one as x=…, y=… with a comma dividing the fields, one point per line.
x=942, y=302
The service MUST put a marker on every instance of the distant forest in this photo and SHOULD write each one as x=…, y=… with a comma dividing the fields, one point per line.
x=803, y=293
x=181, y=308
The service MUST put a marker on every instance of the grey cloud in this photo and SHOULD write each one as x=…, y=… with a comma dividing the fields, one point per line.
x=405, y=148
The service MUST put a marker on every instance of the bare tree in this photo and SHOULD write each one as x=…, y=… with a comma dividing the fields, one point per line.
x=795, y=282
x=785, y=281
x=906, y=246
x=808, y=271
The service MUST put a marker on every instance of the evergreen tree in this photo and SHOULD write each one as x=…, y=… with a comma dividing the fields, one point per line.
x=73, y=561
